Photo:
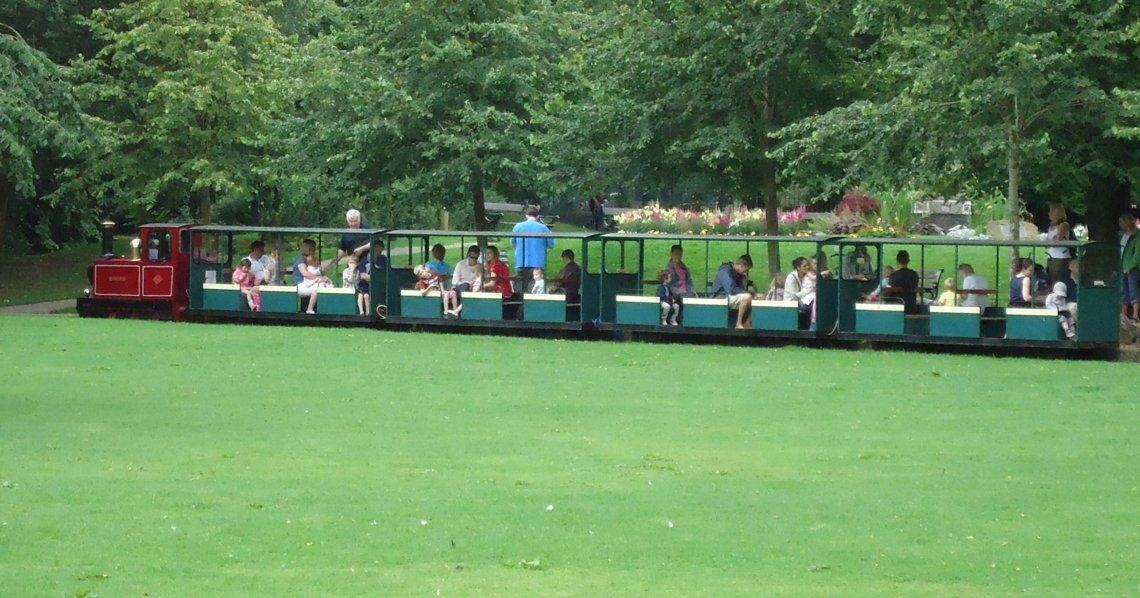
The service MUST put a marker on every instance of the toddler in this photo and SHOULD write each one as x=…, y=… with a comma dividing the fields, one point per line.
x=949, y=293
x=1058, y=300
x=245, y=279
x=670, y=306
x=878, y=292
x=351, y=274
x=430, y=280
x=539, y=286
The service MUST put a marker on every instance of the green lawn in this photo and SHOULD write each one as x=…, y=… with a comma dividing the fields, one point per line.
x=148, y=458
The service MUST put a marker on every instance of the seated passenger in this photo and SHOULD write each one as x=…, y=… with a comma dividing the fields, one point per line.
x=903, y=283
x=799, y=286
x=569, y=280
x=876, y=295
x=1058, y=300
x=972, y=282
x=857, y=265
x=244, y=277
x=732, y=281
x=948, y=294
x=670, y=303
x=1021, y=284
x=682, y=280
x=468, y=274
x=436, y=263
x=259, y=262
x=538, y=287
x=313, y=279
x=496, y=275
x=430, y=280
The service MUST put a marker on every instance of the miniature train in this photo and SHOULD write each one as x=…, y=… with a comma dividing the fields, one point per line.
x=182, y=272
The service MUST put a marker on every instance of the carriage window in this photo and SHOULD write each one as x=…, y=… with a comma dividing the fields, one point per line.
x=207, y=248
x=158, y=246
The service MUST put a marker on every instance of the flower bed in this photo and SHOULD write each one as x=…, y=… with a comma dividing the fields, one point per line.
x=654, y=219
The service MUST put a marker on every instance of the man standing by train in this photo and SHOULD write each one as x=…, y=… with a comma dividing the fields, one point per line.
x=357, y=243
x=530, y=252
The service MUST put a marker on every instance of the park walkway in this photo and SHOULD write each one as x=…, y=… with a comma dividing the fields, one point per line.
x=39, y=308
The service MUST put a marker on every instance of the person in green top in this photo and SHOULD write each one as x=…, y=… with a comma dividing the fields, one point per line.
x=1129, y=267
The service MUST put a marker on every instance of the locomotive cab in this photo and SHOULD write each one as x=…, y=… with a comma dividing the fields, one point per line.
x=148, y=283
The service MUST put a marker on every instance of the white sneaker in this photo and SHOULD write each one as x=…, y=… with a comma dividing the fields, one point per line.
x=673, y=321
x=309, y=311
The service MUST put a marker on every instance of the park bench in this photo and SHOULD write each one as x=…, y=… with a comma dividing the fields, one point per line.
x=928, y=283
x=494, y=211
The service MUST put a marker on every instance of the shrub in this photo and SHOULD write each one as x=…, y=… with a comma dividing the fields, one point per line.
x=859, y=203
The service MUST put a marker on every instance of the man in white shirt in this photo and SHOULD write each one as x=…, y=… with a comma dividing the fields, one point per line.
x=972, y=281
x=258, y=261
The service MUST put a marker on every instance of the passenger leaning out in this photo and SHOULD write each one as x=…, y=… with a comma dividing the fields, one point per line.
x=732, y=281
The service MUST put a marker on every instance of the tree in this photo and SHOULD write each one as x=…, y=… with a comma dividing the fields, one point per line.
x=427, y=104
x=39, y=125
x=976, y=91
x=184, y=93
x=684, y=91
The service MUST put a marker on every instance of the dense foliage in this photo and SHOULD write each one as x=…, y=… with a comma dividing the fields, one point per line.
x=288, y=112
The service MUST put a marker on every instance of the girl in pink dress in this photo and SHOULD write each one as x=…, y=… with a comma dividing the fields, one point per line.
x=247, y=281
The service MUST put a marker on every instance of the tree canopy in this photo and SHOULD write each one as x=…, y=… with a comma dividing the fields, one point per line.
x=289, y=112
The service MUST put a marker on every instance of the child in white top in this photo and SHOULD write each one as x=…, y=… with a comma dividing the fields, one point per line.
x=1058, y=301
x=539, y=286
x=351, y=274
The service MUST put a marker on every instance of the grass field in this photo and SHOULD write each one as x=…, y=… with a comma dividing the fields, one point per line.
x=146, y=458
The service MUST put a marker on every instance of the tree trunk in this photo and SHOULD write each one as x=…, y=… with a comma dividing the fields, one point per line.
x=7, y=195
x=1105, y=199
x=205, y=205
x=479, y=213
x=768, y=184
x=1013, y=172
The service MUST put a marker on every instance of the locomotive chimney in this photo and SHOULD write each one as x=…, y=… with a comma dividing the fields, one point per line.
x=108, y=237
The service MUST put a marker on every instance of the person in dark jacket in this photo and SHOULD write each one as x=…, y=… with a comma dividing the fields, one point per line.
x=732, y=281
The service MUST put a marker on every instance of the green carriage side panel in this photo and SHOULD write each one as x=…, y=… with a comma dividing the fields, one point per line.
x=413, y=304
x=591, y=297
x=1098, y=293
x=1098, y=317
x=398, y=280
x=1032, y=324
x=223, y=297
x=482, y=306
x=705, y=313
x=544, y=308
x=826, y=304
x=279, y=299
x=337, y=301
x=202, y=273
x=638, y=310
x=957, y=322
x=879, y=318
x=776, y=315
x=612, y=286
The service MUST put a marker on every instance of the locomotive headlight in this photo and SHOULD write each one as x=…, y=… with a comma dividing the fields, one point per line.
x=135, y=244
x=86, y=292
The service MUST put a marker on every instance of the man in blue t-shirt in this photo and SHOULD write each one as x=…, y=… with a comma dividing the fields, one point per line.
x=530, y=252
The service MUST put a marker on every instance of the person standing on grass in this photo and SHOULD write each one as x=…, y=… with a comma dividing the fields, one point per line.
x=530, y=252
x=732, y=281
x=1129, y=268
x=1059, y=230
